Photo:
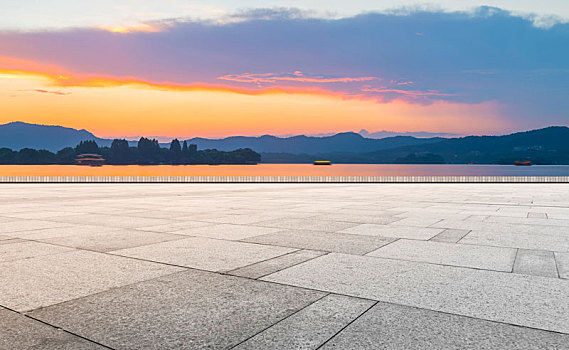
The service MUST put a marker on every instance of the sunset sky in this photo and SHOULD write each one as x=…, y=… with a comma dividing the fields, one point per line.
x=218, y=68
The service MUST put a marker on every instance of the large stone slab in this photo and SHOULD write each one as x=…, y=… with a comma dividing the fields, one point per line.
x=46, y=280
x=479, y=257
x=530, y=301
x=410, y=232
x=324, y=241
x=175, y=226
x=205, y=253
x=13, y=226
x=121, y=221
x=188, y=310
x=69, y=230
x=26, y=249
x=536, y=262
x=307, y=224
x=534, y=240
x=396, y=327
x=228, y=231
x=267, y=267
x=20, y=332
x=112, y=240
x=562, y=260
x=310, y=327
x=381, y=218
x=450, y=236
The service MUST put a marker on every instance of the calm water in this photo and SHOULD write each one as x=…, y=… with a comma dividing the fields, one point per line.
x=285, y=170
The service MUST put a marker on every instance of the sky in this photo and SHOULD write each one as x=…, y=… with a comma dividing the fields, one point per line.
x=220, y=68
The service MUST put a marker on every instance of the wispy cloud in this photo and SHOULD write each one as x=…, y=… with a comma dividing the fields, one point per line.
x=60, y=93
x=296, y=76
x=411, y=93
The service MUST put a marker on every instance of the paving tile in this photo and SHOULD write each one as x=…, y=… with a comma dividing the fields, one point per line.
x=396, y=327
x=43, y=214
x=518, y=239
x=530, y=221
x=476, y=218
x=11, y=241
x=324, y=241
x=479, y=257
x=310, y=327
x=242, y=219
x=536, y=263
x=188, y=310
x=410, y=232
x=20, y=332
x=228, y=231
x=113, y=240
x=121, y=221
x=26, y=225
x=537, y=215
x=418, y=221
x=172, y=227
x=46, y=280
x=267, y=267
x=27, y=249
x=69, y=230
x=358, y=218
x=205, y=253
x=306, y=224
x=562, y=260
x=450, y=236
x=530, y=301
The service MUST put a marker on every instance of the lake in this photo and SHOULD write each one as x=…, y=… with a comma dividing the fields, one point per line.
x=286, y=170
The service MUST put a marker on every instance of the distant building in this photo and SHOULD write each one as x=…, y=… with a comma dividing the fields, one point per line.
x=90, y=159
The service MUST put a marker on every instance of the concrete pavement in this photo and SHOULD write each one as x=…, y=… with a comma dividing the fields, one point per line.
x=284, y=266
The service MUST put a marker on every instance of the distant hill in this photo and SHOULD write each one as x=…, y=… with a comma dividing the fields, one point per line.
x=18, y=135
x=543, y=146
x=343, y=142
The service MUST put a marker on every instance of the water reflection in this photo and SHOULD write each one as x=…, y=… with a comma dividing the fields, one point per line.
x=285, y=170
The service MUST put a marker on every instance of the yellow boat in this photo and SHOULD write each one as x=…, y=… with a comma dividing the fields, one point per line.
x=322, y=162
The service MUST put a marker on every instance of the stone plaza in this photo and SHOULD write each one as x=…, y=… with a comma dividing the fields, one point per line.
x=284, y=266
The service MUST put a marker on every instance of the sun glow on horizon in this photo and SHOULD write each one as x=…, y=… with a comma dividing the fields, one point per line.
x=113, y=108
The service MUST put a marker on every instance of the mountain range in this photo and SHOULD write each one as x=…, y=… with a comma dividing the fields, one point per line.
x=543, y=146
x=18, y=135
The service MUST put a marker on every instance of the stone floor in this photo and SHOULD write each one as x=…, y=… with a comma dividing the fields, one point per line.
x=284, y=266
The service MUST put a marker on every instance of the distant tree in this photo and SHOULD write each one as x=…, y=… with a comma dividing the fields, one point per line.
x=149, y=151
x=87, y=147
x=175, y=146
x=185, y=147
x=120, y=152
x=427, y=158
x=66, y=155
x=7, y=156
x=32, y=156
x=175, y=152
x=193, y=148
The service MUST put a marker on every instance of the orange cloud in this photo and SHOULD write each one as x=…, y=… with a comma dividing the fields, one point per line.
x=58, y=76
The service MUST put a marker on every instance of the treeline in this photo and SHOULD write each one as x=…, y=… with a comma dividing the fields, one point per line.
x=147, y=152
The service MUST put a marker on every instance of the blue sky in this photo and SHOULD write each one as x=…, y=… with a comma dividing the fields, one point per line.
x=440, y=68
